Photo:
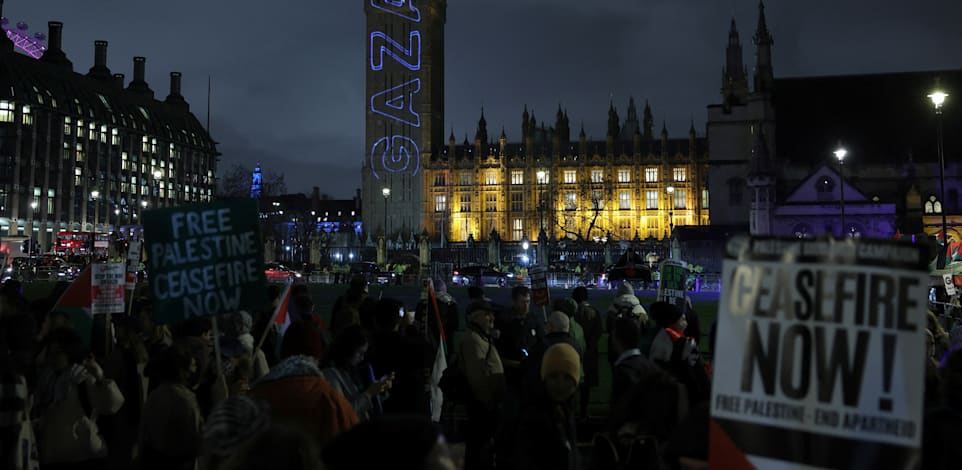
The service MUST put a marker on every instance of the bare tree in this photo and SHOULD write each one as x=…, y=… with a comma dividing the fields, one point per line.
x=583, y=205
x=237, y=182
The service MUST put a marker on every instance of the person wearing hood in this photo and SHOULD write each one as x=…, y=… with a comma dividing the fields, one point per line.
x=297, y=391
x=625, y=304
x=238, y=325
x=546, y=437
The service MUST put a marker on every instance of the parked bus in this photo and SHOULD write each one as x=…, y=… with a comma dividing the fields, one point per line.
x=80, y=243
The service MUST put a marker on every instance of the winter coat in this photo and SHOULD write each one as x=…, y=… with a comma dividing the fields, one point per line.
x=626, y=304
x=170, y=433
x=628, y=371
x=481, y=364
x=546, y=438
x=591, y=324
x=298, y=393
x=532, y=365
x=68, y=432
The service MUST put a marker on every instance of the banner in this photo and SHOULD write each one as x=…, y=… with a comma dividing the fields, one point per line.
x=133, y=262
x=107, y=288
x=539, y=285
x=949, y=285
x=205, y=260
x=674, y=282
x=820, y=357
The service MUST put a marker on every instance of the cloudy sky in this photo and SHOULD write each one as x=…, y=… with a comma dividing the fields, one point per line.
x=288, y=75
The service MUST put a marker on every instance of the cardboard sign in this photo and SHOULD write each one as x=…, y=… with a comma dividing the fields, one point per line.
x=205, y=260
x=820, y=358
x=949, y=285
x=674, y=282
x=539, y=286
x=107, y=288
x=133, y=262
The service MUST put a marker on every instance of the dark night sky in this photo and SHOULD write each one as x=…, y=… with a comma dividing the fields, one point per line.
x=289, y=75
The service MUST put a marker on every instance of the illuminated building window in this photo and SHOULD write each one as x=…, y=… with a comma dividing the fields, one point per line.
x=542, y=176
x=933, y=206
x=467, y=179
x=624, y=200
x=651, y=175
x=570, y=176
x=651, y=199
x=571, y=201
x=465, y=203
x=79, y=156
x=517, y=202
x=597, y=176
x=704, y=199
x=6, y=111
x=491, y=202
x=517, y=229
x=92, y=131
x=680, y=174
x=624, y=176
x=439, y=179
x=103, y=134
x=27, y=117
x=517, y=177
x=67, y=123
x=597, y=200
x=440, y=203
x=490, y=178
x=66, y=151
x=144, y=144
x=680, y=199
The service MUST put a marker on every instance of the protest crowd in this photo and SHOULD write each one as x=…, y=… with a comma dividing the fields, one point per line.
x=380, y=385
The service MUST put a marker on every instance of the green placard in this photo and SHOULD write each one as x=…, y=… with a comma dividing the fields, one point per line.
x=205, y=260
x=674, y=279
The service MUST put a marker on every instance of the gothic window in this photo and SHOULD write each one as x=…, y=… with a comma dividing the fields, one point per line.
x=570, y=176
x=517, y=177
x=517, y=229
x=651, y=175
x=736, y=191
x=651, y=200
x=933, y=206
x=624, y=200
x=440, y=203
x=825, y=188
x=517, y=202
x=624, y=176
x=597, y=176
x=571, y=201
x=681, y=199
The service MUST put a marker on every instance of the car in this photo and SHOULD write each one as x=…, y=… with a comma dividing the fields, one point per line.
x=276, y=272
x=371, y=272
x=478, y=276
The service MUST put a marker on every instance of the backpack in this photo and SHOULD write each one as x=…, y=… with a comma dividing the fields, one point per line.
x=627, y=451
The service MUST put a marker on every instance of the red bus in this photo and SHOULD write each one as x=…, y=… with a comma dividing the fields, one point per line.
x=79, y=243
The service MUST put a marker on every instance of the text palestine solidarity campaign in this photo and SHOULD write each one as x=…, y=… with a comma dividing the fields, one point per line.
x=210, y=276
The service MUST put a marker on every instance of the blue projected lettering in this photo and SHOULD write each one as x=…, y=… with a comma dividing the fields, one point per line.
x=395, y=154
x=396, y=7
x=409, y=57
x=397, y=103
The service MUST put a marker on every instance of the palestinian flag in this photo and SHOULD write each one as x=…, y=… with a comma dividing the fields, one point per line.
x=279, y=318
x=440, y=360
x=76, y=302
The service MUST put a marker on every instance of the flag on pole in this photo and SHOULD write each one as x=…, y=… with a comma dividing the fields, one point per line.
x=76, y=303
x=440, y=359
x=279, y=319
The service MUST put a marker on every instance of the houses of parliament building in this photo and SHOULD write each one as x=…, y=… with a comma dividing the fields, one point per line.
x=634, y=184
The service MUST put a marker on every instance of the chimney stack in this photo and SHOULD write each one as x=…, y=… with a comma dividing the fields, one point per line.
x=138, y=84
x=119, y=80
x=100, y=70
x=54, y=53
x=175, y=98
x=175, y=83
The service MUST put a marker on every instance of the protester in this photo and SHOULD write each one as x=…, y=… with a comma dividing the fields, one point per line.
x=625, y=304
x=18, y=443
x=238, y=325
x=481, y=363
x=677, y=353
x=170, y=433
x=353, y=308
x=546, y=434
x=297, y=392
x=558, y=331
x=942, y=436
x=232, y=423
x=407, y=357
x=570, y=308
x=590, y=321
x=71, y=392
x=352, y=377
x=630, y=366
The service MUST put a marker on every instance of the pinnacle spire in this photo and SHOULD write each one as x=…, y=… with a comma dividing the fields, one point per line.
x=761, y=31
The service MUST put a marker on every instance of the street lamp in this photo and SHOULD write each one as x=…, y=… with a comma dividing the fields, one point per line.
x=386, y=192
x=671, y=217
x=95, y=195
x=840, y=154
x=33, y=207
x=541, y=177
x=524, y=246
x=938, y=98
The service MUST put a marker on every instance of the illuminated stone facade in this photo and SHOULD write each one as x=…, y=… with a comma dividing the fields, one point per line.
x=577, y=190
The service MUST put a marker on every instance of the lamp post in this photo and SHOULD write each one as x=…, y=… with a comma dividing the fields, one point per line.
x=95, y=195
x=840, y=154
x=541, y=176
x=386, y=192
x=157, y=176
x=938, y=98
x=671, y=217
x=524, y=246
x=33, y=208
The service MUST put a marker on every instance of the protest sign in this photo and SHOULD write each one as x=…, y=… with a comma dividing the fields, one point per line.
x=107, y=288
x=133, y=262
x=205, y=260
x=949, y=284
x=821, y=355
x=539, y=285
x=673, y=282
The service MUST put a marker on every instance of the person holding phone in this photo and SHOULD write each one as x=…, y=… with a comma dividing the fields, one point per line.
x=346, y=369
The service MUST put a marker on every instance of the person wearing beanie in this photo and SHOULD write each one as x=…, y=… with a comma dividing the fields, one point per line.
x=401, y=441
x=590, y=321
x=625, y=304
x=677, y=353
x=480, y=361
x=297, y=392
x=546, y=437
x=558, y=331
